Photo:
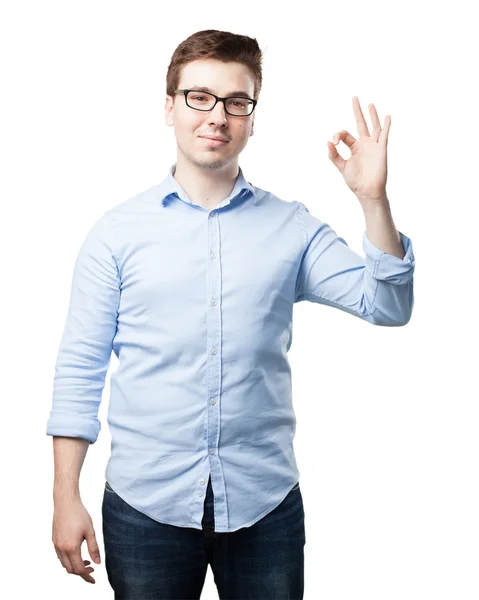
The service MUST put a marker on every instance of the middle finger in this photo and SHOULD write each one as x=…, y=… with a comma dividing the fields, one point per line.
x=360, y=120
x=78, y=566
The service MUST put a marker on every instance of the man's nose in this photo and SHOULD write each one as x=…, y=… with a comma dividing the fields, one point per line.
x=218, y=114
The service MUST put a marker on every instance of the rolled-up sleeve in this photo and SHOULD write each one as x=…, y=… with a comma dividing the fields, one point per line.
x=86, y=344
x=377, y=288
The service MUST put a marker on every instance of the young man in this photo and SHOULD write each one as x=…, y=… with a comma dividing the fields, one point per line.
x=192, y=284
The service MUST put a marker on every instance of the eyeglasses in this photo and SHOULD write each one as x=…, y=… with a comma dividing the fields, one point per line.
x=236, y=106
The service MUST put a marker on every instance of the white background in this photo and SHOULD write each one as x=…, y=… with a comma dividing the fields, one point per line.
x=387, y=418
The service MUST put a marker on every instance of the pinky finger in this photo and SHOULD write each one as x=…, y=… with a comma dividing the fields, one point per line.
x=383, y=136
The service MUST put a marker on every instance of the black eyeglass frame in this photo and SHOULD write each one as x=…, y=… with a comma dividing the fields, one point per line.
x=218, y=99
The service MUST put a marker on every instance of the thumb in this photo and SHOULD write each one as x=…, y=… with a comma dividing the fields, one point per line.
x=93, y=548
x=335, y=157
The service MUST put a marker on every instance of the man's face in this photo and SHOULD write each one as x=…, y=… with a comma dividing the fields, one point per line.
x=190, y=124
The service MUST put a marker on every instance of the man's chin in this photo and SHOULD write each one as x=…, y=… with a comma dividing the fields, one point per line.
x=211, y=161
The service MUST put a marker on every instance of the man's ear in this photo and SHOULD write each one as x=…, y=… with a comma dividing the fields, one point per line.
x=169, y=111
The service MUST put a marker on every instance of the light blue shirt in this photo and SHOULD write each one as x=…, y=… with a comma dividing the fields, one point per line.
x=197, y=305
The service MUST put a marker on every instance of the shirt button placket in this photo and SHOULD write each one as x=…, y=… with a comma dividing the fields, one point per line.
x=214, y=356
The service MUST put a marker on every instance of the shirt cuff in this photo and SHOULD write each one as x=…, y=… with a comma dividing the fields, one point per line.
x=60, y=424
x=388, y=267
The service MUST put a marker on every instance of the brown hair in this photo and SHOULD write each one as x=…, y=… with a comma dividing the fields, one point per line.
x=221, y=45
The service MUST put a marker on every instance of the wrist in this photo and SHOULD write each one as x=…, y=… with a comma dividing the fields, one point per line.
x=65, y=492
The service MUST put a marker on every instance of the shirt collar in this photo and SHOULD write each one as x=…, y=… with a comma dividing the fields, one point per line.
x=170, y=186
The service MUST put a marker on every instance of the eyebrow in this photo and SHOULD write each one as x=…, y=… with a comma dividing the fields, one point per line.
x=206, y=89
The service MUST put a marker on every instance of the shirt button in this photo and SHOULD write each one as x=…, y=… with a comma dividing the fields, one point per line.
x=202, y=481
x=213, y=302
x=212, y=451
x=200, y=493
x=213, y=400
x=214, y=351
x=212, y=254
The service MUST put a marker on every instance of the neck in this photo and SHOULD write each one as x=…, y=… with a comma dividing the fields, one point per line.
x=204, y=186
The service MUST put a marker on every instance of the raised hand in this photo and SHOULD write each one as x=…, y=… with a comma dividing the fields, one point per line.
x=365, y=172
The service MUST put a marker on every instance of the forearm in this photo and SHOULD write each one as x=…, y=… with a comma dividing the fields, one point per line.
x=69, y=455
x=381, y=231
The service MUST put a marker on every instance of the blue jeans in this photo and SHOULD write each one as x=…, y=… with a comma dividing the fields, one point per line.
x=147, y=560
